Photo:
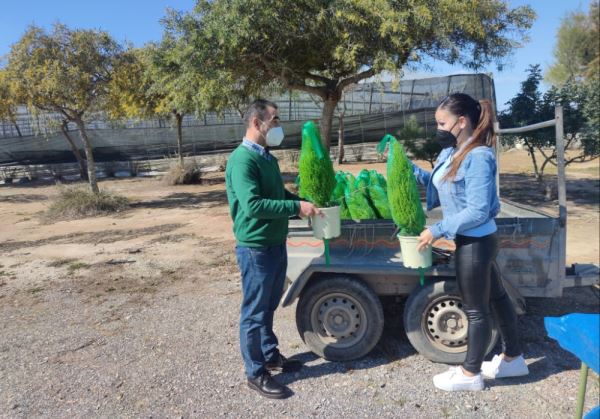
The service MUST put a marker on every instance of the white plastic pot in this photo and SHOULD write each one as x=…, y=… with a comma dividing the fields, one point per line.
x=411, y=257
x=328, y=224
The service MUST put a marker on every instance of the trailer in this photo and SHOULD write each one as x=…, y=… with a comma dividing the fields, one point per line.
x=339, y=314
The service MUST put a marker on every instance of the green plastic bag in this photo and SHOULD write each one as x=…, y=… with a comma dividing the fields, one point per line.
x=363, y=180
x=337, y=196
x=377, y=179
x=379, y=198
x=378, y=195
x=357, y=201
x=344, y=211
x=372, y=184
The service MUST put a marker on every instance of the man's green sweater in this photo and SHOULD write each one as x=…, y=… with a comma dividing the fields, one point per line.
x=258, y=202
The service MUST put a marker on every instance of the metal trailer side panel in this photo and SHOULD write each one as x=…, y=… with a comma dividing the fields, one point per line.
x=528, y=256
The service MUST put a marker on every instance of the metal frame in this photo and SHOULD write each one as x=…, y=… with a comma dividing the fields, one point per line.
x=557, y=122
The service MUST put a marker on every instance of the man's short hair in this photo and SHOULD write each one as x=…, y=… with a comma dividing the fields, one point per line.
x=258, y=109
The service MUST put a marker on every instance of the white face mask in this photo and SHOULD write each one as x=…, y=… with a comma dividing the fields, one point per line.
x=274, y=136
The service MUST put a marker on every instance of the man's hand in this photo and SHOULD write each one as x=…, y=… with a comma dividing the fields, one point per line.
x=308, y=209
x=425, y=239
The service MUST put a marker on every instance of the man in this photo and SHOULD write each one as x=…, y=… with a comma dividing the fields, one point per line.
x=260, y=207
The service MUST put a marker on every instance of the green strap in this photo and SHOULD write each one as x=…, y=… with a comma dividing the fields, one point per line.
x=326, y=241
x=422, y=276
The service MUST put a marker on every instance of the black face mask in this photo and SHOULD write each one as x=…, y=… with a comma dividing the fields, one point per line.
x=446, y=138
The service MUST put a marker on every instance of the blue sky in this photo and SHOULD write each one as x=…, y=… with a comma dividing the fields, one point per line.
x=138, y=21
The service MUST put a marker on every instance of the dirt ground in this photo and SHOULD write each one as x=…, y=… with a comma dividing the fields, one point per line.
x=135, y=314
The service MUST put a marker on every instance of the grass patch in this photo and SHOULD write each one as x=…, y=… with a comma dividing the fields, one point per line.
x=588, y=170
x=75, y=266
x=78, y=202
x=60, y=262
x=35, y=290
x=186, y=174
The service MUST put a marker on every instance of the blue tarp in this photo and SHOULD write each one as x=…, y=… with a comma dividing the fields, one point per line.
x=579, y=334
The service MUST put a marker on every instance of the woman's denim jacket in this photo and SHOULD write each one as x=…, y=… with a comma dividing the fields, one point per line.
x=468, y=201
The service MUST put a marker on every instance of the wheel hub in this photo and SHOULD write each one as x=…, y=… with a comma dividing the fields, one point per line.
x=339, y=319
x=446, y=325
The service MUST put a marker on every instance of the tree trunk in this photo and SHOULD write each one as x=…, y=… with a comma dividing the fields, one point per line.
x=80, y=161
x=17, y=128
x=536, y=171
x=89, y=154
x=549, y=194
x=327, y=117
x=543, y=167
x=341, y=138
x=178, y=121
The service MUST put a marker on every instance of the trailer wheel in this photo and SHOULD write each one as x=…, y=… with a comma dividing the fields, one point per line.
x=436, y=325
x=340, y=318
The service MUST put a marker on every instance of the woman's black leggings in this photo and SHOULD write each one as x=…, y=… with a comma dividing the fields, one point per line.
x=481, y=289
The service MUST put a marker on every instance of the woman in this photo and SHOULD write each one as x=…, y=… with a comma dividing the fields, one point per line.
x=463, y=183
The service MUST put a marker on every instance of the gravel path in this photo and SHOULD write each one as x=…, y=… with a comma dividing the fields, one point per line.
x=138, y=343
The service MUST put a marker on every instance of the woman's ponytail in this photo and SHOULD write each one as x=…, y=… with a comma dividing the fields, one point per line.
x=484, y=131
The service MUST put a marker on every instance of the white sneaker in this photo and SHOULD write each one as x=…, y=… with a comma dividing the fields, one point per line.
x=455, y=380
x=499, y=368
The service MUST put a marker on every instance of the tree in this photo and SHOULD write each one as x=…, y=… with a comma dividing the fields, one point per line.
x=317, y=178
x=154, y=82
x=405, y=202
x=577, y=50
x=66, y=72
x=170, y=81
x=575, y=98
x=8, y=101
x=523, y=110
x=580, y=105
x=416, y=144
x=324, y=47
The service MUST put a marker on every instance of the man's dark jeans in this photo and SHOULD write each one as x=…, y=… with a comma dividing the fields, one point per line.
x=263, y=275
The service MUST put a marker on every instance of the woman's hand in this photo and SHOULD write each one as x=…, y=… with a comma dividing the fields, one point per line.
x=425, y=239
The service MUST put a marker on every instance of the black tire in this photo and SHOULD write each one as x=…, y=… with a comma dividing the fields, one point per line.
x=435, y=324
x=339, y=318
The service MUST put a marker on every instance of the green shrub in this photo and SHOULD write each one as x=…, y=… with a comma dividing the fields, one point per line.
x=403, y=194
x=79, y=202
x=317, y=178
x=187, y=174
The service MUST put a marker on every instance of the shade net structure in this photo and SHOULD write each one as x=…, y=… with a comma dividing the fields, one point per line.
x=370, y=110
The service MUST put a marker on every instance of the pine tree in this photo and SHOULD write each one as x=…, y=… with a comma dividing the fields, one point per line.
x=403, y=194
x=317, y=178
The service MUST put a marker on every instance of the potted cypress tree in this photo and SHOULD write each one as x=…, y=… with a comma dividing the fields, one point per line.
x=317, y=182
x=405, y=205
